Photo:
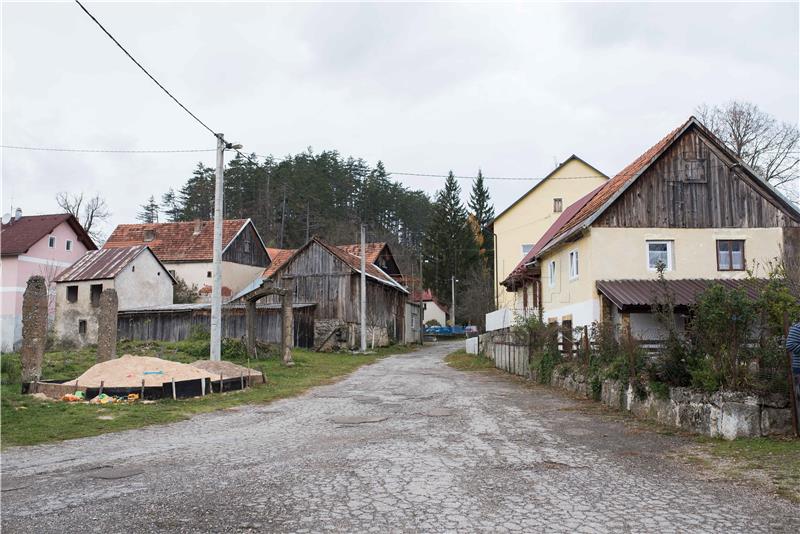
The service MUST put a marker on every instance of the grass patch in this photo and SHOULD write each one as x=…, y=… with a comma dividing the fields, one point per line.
x=29, y=421
x=772, y=460
x=464, y=361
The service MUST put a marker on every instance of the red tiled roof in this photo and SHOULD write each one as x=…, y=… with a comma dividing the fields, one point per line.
x=102, y=264
x=18, y=236
x=373, y=250
x=618, y=182
x=278, y=257
x=176, y=241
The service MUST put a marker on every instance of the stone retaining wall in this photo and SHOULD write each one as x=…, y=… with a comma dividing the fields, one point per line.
x=729, y=415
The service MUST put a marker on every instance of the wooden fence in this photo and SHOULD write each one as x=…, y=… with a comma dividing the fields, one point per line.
x=176, y=322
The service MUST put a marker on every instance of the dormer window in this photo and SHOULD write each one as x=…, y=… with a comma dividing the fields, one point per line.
x=149, y=235
x=558, y=205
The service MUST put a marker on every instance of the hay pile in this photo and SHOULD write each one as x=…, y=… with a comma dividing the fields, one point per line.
x=129, y=371
x=226, y=369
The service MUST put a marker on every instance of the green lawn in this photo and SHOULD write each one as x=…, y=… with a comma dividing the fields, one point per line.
x=463, y=361
x=27, y=421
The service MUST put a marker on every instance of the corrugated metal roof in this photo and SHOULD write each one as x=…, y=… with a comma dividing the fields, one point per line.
x=684, y=292
x=102, y=264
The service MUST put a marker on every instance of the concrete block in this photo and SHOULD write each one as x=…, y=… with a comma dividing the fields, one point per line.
x=740, y=420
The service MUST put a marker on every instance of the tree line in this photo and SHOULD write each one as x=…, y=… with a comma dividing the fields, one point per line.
x=328, y=195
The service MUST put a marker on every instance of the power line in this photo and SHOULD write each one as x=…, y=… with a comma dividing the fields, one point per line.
x=110, y=150
x=195, y=117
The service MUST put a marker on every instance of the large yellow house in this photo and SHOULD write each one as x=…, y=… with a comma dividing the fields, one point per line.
x=688, y=203
x=521, y=225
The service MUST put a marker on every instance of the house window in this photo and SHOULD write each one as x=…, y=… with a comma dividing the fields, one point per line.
x=558, y=205
x=208, y=274
x=551, y=273
x=51, y=241
x=573, y=265
x=526, y=248
x=730, y=255
x=246, y=245
x=68, y=245
x=149, y=235
x=95, y=290
x=658, y=253
x=72, y=293
x=81, y=326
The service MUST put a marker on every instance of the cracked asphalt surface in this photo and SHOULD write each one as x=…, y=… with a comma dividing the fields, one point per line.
x=405, y=445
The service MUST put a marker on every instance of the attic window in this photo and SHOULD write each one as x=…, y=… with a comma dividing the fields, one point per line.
x=149, y=235
x=558, y=205
x=246, y=245
x=51, y=241
x=68, y=245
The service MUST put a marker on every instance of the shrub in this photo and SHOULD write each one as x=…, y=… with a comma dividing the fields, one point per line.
x=660, y=390
x=11, y=368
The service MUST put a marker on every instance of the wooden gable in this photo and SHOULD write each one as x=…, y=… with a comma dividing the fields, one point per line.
x=247, y=248
x=696, y=184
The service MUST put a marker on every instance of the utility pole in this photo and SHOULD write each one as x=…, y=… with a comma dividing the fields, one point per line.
x=363, y=289
x=453, y=293
x=216, y=285
x=421, y=305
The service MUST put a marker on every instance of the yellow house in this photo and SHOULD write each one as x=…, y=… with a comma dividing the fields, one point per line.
x=689, y=204
x=523, y=223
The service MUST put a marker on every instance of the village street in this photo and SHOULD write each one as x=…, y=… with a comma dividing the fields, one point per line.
x=406, y=444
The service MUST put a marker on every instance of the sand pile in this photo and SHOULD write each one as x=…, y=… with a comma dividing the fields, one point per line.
x=129, y=371
x=226, y=369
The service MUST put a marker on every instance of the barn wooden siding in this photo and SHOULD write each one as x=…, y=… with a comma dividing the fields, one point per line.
x=692, y=186
x=176, y=323
x=320, y=277
x=239, y=251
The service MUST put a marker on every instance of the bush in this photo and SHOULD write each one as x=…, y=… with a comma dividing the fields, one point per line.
x=10, y=368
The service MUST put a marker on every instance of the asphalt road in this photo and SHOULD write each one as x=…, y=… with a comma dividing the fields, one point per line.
x=404, y=445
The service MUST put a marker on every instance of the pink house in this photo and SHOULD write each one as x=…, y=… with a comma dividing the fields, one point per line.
x=37, y=244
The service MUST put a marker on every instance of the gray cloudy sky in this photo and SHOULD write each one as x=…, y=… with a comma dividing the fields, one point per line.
x=509, y=88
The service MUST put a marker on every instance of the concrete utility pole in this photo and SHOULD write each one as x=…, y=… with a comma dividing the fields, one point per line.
x=453, y=294
x=363, y=288
x=216, y=285
x=421, y=305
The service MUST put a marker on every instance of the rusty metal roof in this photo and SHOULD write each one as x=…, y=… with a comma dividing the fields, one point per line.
x=104, y=264
x=684, y=292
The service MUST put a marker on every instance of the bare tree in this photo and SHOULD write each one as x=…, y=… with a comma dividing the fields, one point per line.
x=768, y=146
x=89, y=211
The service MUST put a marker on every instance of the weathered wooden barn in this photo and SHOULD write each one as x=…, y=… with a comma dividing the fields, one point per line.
x=176, y=322
x=329, y=276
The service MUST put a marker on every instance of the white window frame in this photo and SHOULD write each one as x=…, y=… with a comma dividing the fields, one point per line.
x=68, y=245
x=670, y=261
x=574, y=264
x=522, y=248
x=51, y=239
x=552, y=273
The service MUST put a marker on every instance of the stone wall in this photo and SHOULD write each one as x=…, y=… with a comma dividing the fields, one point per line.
x=728, y=415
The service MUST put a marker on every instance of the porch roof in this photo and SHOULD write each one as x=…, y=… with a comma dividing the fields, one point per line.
x=627, y=294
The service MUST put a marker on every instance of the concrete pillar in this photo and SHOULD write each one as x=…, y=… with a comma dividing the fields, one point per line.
x=34, y=328
x=107, y=326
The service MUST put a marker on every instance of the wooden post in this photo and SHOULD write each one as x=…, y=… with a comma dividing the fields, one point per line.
x=220, y=382
x=142, y=395
x=174, y=394
x=250, y=318
x=102, y=383
x=794, y=389
x=76, y=386
x=241, y=379
x=202, y=387
x=287, y=340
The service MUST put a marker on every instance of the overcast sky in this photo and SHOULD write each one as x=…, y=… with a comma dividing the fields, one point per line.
x=425, y=88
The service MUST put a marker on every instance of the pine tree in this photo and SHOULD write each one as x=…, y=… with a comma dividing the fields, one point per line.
x=197, y=196
x=170, y=206
x=450, y=248
x=482, y=209
x=149, y=211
